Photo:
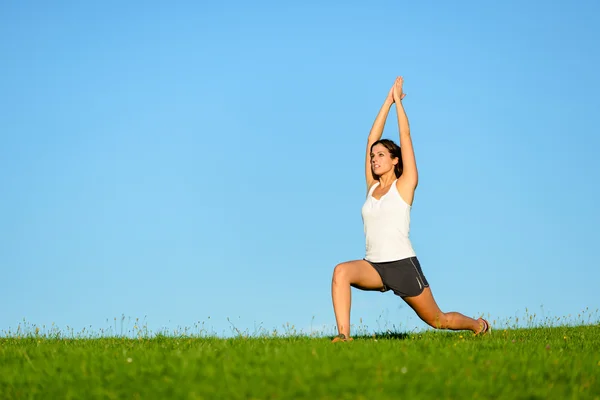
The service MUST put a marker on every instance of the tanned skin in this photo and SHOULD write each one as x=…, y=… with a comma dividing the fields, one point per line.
x=360, y=273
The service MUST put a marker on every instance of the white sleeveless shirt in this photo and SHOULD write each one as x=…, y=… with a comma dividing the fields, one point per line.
x=387, y=226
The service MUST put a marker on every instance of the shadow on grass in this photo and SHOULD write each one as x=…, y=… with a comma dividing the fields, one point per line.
x=382, y=335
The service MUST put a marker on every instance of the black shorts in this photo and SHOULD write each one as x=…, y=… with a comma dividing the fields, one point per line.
x=404, y=277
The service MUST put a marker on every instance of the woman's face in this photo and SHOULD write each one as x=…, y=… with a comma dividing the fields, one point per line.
x=381, y=160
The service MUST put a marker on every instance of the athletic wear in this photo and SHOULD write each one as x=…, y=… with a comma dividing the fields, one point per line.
x=404, y=277
x=387, y=226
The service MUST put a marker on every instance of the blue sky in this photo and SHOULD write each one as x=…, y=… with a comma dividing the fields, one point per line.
x=187, y=163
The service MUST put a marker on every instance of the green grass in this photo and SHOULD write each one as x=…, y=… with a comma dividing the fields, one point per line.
x=560, y=362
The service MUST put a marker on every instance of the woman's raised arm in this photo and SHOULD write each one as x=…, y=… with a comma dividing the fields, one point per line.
x=375, y=134
x=410, y=176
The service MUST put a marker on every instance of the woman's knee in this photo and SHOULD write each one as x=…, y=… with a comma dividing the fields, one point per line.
x=341, y=273
x=438, y=320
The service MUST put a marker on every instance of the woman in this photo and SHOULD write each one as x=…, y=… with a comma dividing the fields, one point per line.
x=390, y=262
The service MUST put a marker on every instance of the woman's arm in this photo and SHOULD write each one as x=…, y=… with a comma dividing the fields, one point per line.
x=375, y=134
x=410, y=177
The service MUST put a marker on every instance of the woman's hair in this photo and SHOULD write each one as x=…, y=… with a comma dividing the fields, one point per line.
x=395, y=152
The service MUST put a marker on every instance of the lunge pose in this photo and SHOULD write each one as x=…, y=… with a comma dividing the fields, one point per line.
x=390, y=262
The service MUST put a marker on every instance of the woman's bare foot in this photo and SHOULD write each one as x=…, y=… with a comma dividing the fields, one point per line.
x=341, y=338
x=486, y=328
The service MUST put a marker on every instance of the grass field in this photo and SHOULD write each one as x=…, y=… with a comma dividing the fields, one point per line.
x=552, y=362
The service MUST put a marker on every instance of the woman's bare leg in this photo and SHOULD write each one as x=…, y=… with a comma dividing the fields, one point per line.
x=428, y=310
x=357, y=273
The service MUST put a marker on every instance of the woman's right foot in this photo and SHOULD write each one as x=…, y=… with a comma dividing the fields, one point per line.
x=486, y=328
x=341, y=338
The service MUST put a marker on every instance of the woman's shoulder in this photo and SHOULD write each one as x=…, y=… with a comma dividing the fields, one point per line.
x=405, y=191
x=371, y=188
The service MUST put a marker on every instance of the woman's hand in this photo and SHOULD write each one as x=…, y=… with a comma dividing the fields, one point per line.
x=390, y=96
x=397, y=89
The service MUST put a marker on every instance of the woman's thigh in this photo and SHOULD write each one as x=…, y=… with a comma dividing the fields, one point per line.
x=359, y=274
x=426, y=307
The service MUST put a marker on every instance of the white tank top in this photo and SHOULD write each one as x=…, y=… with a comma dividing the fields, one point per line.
x=387, y=226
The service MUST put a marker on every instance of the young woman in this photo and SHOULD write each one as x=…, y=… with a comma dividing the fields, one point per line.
x=390, y=262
